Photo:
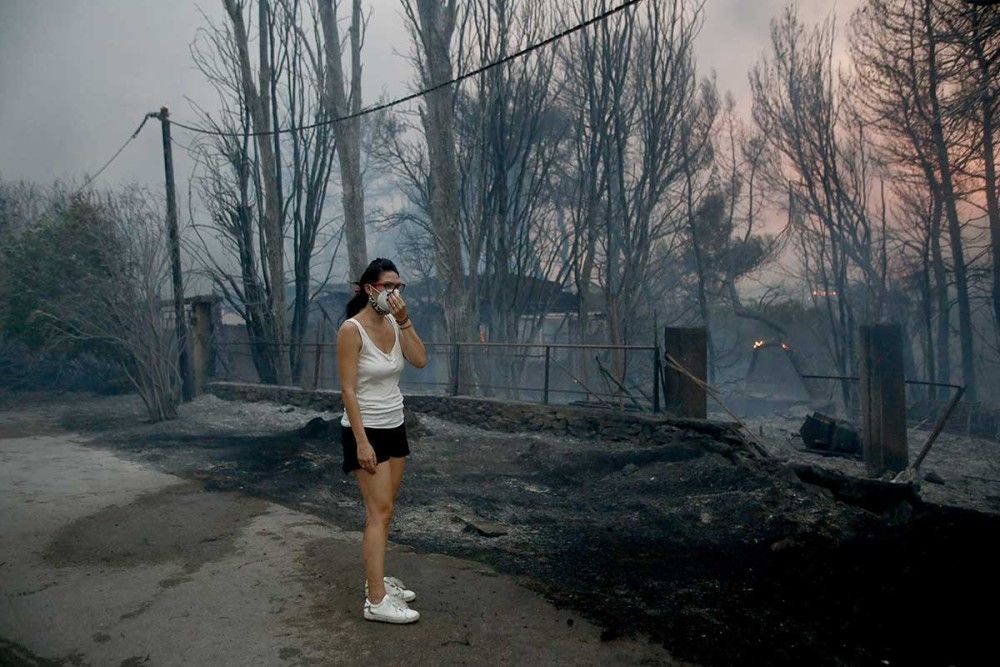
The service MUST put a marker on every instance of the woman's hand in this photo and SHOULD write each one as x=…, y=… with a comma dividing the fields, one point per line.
x=397, y=306
x=366, y=457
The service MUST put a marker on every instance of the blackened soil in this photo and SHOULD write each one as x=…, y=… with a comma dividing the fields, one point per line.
x=920, y=593
x=723, y=562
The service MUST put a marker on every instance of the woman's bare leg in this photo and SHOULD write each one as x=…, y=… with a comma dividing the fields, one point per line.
x=396, y=465
x=377, y=491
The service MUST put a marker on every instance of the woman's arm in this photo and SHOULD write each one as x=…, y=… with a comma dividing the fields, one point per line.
x=409, y=341
x=348, y=350
x=413, y=347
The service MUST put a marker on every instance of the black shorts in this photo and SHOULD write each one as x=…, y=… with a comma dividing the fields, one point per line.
x=387, y=442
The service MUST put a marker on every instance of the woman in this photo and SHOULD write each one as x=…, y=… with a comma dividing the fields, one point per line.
x=371, y=345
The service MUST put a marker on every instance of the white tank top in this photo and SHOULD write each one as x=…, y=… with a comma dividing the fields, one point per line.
x=379, y=397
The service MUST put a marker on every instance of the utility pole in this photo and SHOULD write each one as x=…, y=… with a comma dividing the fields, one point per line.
x=184, y=366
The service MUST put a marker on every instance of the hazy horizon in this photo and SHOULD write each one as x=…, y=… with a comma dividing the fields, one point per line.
x=78, y=78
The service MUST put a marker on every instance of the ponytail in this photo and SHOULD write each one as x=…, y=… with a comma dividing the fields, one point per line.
x=355, y=305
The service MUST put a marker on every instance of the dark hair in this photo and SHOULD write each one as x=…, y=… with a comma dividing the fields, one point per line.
x=375, y=269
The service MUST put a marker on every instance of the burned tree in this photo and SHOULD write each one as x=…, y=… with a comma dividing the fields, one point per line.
x=433, y=26
x=340, y=103
x=907, y=76
x=638, y=116
x=257, y=99
x=505, y=135
x=263, y=178
x=740, y=158
x=823, y=161
x=971, y=37
x=508, y=133
x=930, y=54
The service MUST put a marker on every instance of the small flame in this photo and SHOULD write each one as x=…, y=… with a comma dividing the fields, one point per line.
x=757, y=344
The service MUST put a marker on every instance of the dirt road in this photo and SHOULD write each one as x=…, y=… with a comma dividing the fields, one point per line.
x=105, y=561
x=228, y=514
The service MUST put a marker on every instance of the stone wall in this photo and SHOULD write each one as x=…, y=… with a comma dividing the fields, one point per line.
x=493, y=414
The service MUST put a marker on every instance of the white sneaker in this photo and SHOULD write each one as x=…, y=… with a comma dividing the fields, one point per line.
x=390, y=610
x=394, y=586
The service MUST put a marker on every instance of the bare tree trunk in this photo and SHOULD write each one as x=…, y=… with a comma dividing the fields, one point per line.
x=435, y=27
x=586, y=182
x=973, y=33
x=941, y=297
x=506, y=147
x=988, y=106
x=992, y=205
x=951, y=210
x=927, y=316
x=824, y=161
x=348, y=132
x=583, y=274
x=635, y=85
x=699, y=265
x=272, y=218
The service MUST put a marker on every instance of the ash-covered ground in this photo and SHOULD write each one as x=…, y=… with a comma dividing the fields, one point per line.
x=722, y=560
x=964, y=471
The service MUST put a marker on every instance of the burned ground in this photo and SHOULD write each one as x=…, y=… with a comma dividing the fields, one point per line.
x=721, y=560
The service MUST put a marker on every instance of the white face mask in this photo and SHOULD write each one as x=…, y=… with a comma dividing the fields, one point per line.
x=380, y=302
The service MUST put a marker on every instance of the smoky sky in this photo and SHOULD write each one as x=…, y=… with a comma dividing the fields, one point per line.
x=76, y=76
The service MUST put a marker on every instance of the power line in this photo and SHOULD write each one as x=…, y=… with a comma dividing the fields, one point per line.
x=86, y=184
x=113, y=157
x=425, y=91
x=372, y=109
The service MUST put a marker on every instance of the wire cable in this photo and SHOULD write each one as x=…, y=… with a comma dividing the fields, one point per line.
x=420, y=93
x=113, y=157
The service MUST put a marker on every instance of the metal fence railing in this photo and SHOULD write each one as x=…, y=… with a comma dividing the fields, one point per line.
x=623, y=377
